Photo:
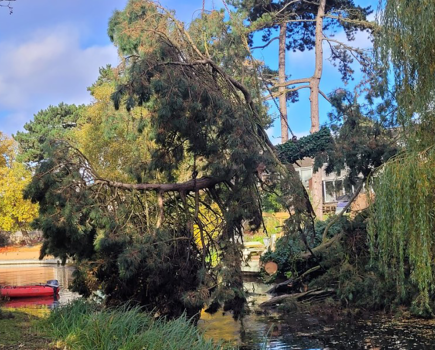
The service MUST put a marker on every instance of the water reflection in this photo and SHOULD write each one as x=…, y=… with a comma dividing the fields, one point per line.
x=19, y=275
x=257, y=330
x=260, y=330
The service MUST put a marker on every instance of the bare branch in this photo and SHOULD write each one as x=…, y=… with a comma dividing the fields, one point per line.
x=266, y=45
x=275, y=95
x=324, y=96
x=293, y=82
x=8, y=5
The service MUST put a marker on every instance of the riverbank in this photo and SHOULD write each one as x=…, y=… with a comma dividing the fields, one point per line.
x=86, y=325
x=18, y=330
x=24, y=255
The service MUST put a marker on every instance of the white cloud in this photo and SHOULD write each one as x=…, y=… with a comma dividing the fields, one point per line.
x=48, y=68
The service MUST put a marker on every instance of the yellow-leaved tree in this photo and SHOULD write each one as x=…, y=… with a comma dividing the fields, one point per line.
x=108, y=137
x=16, y=213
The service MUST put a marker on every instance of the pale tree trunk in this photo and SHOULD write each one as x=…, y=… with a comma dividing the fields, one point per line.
x=281, y=80
x=316, y=190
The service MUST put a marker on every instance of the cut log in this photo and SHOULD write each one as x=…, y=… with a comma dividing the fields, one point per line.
x=271, y=267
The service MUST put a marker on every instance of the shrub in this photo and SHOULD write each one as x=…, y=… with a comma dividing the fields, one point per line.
x=288, y=248
x=4, y=239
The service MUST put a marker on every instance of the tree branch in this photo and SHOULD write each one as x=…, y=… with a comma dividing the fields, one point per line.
x=188, y=186
x=324, y=96
x=266, y=45
x=236, y=84
x=335, y=219
x=161, y=213
x=293, y=82
x=351, y=49
x=369, y=25
x=287, y=91
x=347, y=47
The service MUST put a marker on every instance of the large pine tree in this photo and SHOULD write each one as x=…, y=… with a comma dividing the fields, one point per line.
x=146, y=236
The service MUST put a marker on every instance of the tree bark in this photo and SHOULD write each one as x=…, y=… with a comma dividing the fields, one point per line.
x=316, y=190
x=318, y=68
x=188, y=186
x=281, y=81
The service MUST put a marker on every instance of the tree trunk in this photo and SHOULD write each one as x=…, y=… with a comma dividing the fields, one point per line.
x=281, y=80
x=316, y=190
x=298, y=297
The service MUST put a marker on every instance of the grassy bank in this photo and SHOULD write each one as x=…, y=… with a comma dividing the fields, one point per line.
x=19, y=330
x=83, y=325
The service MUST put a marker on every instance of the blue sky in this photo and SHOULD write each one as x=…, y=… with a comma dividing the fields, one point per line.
x=50, y=52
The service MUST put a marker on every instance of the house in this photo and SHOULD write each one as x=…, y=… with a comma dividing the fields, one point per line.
x=333, y=188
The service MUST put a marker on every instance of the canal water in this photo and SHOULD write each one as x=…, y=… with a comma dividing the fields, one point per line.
x=306, y=331
x=259, y=330
x=19, y=275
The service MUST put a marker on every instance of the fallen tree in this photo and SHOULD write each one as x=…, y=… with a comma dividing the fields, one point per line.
x=307, y=296
x=163, y=227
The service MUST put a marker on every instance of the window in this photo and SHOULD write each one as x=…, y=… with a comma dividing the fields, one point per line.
x=333, y=190
x=305, y=175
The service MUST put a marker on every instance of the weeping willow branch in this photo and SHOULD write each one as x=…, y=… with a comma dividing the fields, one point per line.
x=402, y=225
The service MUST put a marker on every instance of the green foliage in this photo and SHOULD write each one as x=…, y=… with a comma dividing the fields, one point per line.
x=358, y=139
x=65, y=213
x=272, y=225
x=314, y=146
x=286, y=253
x=265, y=17
x=358, y=278
x=364, y=137
x=83, y=325
x=288, y=248
x=184, y=133
x=404, y=244
x=347, y=267
x=406, y=44
x=53, y=123
x=270, y=202
x=401, y=229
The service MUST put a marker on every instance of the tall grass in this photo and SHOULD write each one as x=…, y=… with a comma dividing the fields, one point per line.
x=84, y=325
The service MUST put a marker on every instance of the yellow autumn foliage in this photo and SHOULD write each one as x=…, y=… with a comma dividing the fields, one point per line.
x=212, y=220
x=16, y=213
x=6, y=150
x=108, y=137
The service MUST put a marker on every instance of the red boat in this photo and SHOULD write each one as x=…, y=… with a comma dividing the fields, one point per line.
x=51, y=288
